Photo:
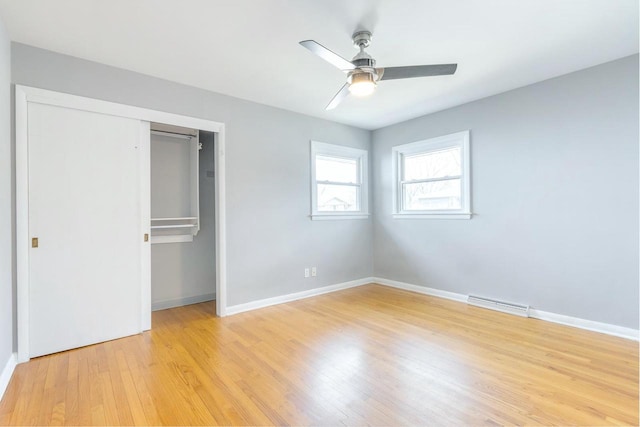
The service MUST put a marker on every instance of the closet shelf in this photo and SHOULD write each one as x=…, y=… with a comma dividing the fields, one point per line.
x=159, y=227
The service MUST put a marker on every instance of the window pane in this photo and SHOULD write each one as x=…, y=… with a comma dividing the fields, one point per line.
x=436, y=164
x=336, y=169
x=428, y=196
x=333, y=198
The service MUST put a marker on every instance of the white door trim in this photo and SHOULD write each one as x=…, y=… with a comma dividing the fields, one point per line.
x=25, y=95
x=144, y=171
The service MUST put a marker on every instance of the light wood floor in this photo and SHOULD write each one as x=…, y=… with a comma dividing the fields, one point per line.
x=368, y=355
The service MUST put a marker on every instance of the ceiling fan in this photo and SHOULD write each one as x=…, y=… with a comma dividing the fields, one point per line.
x=362, y=74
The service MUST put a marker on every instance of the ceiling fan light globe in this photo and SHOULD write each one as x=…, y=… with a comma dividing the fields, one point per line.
x=361, y=84
x=364, y=88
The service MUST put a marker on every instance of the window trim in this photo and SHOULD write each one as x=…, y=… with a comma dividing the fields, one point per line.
x=362, y=161
x=458, y=139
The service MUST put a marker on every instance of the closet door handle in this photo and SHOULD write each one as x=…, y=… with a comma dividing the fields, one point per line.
x=34, y=242
x=146, y=237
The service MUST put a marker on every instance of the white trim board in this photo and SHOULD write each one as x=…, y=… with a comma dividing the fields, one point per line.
x=25, y=95
x=589, y=325
x=49, y=97
x=179, y=302
x=576, y=322
x=7, y=372
x=254, y=305
x=421, y=289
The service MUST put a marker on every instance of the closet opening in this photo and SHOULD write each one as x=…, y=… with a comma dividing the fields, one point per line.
x=183, y=240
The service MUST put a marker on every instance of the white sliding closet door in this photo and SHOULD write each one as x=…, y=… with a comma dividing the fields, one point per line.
x=85, y=210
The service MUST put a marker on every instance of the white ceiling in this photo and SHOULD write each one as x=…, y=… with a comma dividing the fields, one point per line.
x=249, y=48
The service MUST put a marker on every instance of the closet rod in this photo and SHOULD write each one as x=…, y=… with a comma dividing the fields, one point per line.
x=173, y=134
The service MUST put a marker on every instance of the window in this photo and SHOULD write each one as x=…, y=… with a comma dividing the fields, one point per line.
x=432, y=178
x=338, y=182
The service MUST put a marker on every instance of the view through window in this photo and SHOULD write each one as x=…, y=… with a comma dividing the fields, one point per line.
x=432, y=181
x=337, y=180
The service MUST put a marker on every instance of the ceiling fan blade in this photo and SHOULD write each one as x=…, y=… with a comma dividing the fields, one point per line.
x=327, y=55
x=393, y=73
x=337, y=99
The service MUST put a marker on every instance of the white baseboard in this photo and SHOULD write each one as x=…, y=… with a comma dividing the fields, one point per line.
x=179, y=302
x=420, y=289
x=576, y=322
x=253, y=305
x=589, y=325
x=7, y=372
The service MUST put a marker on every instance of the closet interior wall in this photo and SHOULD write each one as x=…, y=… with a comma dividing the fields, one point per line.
x=184, y=272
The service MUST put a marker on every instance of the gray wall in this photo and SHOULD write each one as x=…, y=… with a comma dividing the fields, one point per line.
x=270, y=238
x=6, y=211
x=554, y=190
x=183, y=272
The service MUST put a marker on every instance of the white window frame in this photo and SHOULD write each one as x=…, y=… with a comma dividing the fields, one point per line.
x=459, y=139
x=362, y=161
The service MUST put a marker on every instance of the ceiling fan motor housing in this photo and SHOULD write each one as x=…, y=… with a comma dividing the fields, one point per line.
x=366, y=62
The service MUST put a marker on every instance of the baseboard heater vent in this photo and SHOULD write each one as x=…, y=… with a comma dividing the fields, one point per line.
x=506, y=307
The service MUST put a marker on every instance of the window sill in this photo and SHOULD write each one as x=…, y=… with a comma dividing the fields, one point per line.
x=325, y=217
x=432, y=216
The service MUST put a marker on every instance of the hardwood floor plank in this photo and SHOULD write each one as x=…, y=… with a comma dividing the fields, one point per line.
x=370, y=355
x=83, y=404
x=137, y=364
x=130, y=392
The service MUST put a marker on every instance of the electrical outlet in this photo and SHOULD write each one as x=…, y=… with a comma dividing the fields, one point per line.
x=306, y=272
x=313, y=272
